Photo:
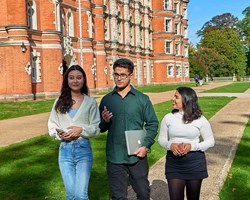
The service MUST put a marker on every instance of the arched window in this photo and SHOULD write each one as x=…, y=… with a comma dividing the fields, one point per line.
x=119, y=26
x=31, y=14
x=90, y=24
x=107, y=25
x=70, y=23
x=58, y=15
x=132, y=30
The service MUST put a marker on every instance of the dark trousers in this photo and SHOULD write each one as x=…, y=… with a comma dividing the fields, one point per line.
x=118, y=175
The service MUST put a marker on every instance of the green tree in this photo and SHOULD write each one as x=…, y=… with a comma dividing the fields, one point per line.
x=193, y=62
x=227, y=44
x=244, y=26
x=219, y=22
x=210, y=62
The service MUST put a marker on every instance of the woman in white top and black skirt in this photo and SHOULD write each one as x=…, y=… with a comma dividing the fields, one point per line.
x=186, y=134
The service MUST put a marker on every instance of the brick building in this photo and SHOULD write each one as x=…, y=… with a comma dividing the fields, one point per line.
x=41, y=38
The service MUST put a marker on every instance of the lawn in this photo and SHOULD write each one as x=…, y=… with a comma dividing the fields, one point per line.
x=237, y=184
x=236, y=87
x=19, y=109
x=29, y=169
x=162, y=88
x=159, y=88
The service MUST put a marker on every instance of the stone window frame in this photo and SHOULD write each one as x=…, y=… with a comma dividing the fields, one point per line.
x=31, y=14
x=170, y=70
x=70, y=23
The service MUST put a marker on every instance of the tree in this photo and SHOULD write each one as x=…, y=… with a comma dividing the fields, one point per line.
x=193, y=62
x=219, y=22
x=227, y=44
x=244, y=26
x=211, y=62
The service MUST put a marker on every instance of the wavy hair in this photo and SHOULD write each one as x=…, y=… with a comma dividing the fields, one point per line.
x=124, y=63
x=65, y=100
x=190, y=105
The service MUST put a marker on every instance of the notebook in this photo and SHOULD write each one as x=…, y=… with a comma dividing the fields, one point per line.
x=134, y=140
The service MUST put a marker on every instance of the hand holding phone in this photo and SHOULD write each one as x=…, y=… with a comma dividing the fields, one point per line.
x=59, y=130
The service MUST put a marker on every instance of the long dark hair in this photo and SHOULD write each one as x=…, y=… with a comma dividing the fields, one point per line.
x=190, y=105
x=65, y=100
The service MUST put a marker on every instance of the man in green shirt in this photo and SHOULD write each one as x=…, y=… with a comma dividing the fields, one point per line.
x=125, y=108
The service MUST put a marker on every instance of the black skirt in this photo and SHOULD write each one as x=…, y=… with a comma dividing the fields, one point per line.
x=191, y=166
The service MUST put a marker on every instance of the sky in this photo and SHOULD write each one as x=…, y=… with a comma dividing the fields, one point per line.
x=202, y=11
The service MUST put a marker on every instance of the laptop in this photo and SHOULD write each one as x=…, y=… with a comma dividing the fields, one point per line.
x=134, y=140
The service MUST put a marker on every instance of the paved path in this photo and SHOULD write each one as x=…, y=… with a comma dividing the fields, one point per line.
x=228, y=125
x=22, y=128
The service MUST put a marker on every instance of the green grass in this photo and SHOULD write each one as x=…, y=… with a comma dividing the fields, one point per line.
x=237, y=87
x=29, y=169
x=158, y=88
x=162, y=88
x=20, y=109
x=237, y=184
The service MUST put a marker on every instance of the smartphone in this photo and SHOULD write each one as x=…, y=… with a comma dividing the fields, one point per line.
x=59, y=130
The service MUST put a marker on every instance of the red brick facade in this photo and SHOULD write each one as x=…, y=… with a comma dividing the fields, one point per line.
x=93, y=34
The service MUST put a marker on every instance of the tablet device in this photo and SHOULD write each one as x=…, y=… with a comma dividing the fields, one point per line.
x=134, y=140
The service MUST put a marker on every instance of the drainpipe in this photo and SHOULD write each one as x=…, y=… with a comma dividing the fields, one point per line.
x=80, y=27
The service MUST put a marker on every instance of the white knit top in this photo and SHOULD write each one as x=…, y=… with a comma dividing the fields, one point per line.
x=87, y=117
x=198, y=133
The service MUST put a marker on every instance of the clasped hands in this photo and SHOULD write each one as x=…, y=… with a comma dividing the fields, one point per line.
x=180, y=149
x=73, y=133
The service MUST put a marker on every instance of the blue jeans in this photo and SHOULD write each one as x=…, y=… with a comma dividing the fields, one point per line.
x=75, y=163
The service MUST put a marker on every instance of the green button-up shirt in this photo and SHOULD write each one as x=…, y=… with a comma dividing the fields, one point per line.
x=133, y=112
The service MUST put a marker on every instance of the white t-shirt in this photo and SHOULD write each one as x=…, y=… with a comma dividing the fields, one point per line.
x=198, y=133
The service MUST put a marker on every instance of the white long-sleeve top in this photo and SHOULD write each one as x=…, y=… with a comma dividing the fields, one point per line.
x=87, y=117
x=198, y=133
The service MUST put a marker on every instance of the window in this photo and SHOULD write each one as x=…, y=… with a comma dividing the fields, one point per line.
x=70, y=24
x=120, y=27
x=106, y=25
x=178, y=71
x=186, y=71
x=168, y=25
x=168, y=47
x=145, y=71
x=107, y=29
x=90, y=24
x=170, y=71
x=186, y=51
x=132, y=31
x=177, y=47
x=150, y=41
x=152, y=71
x=185, y=13
x=142, y=38
x=167, y=4
x=58, y=16
x=176, y=28
x=111, y=70
x=185, y=32
x=35, y=67
x=135, y=71
x=31, y=14
x=176, y=11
